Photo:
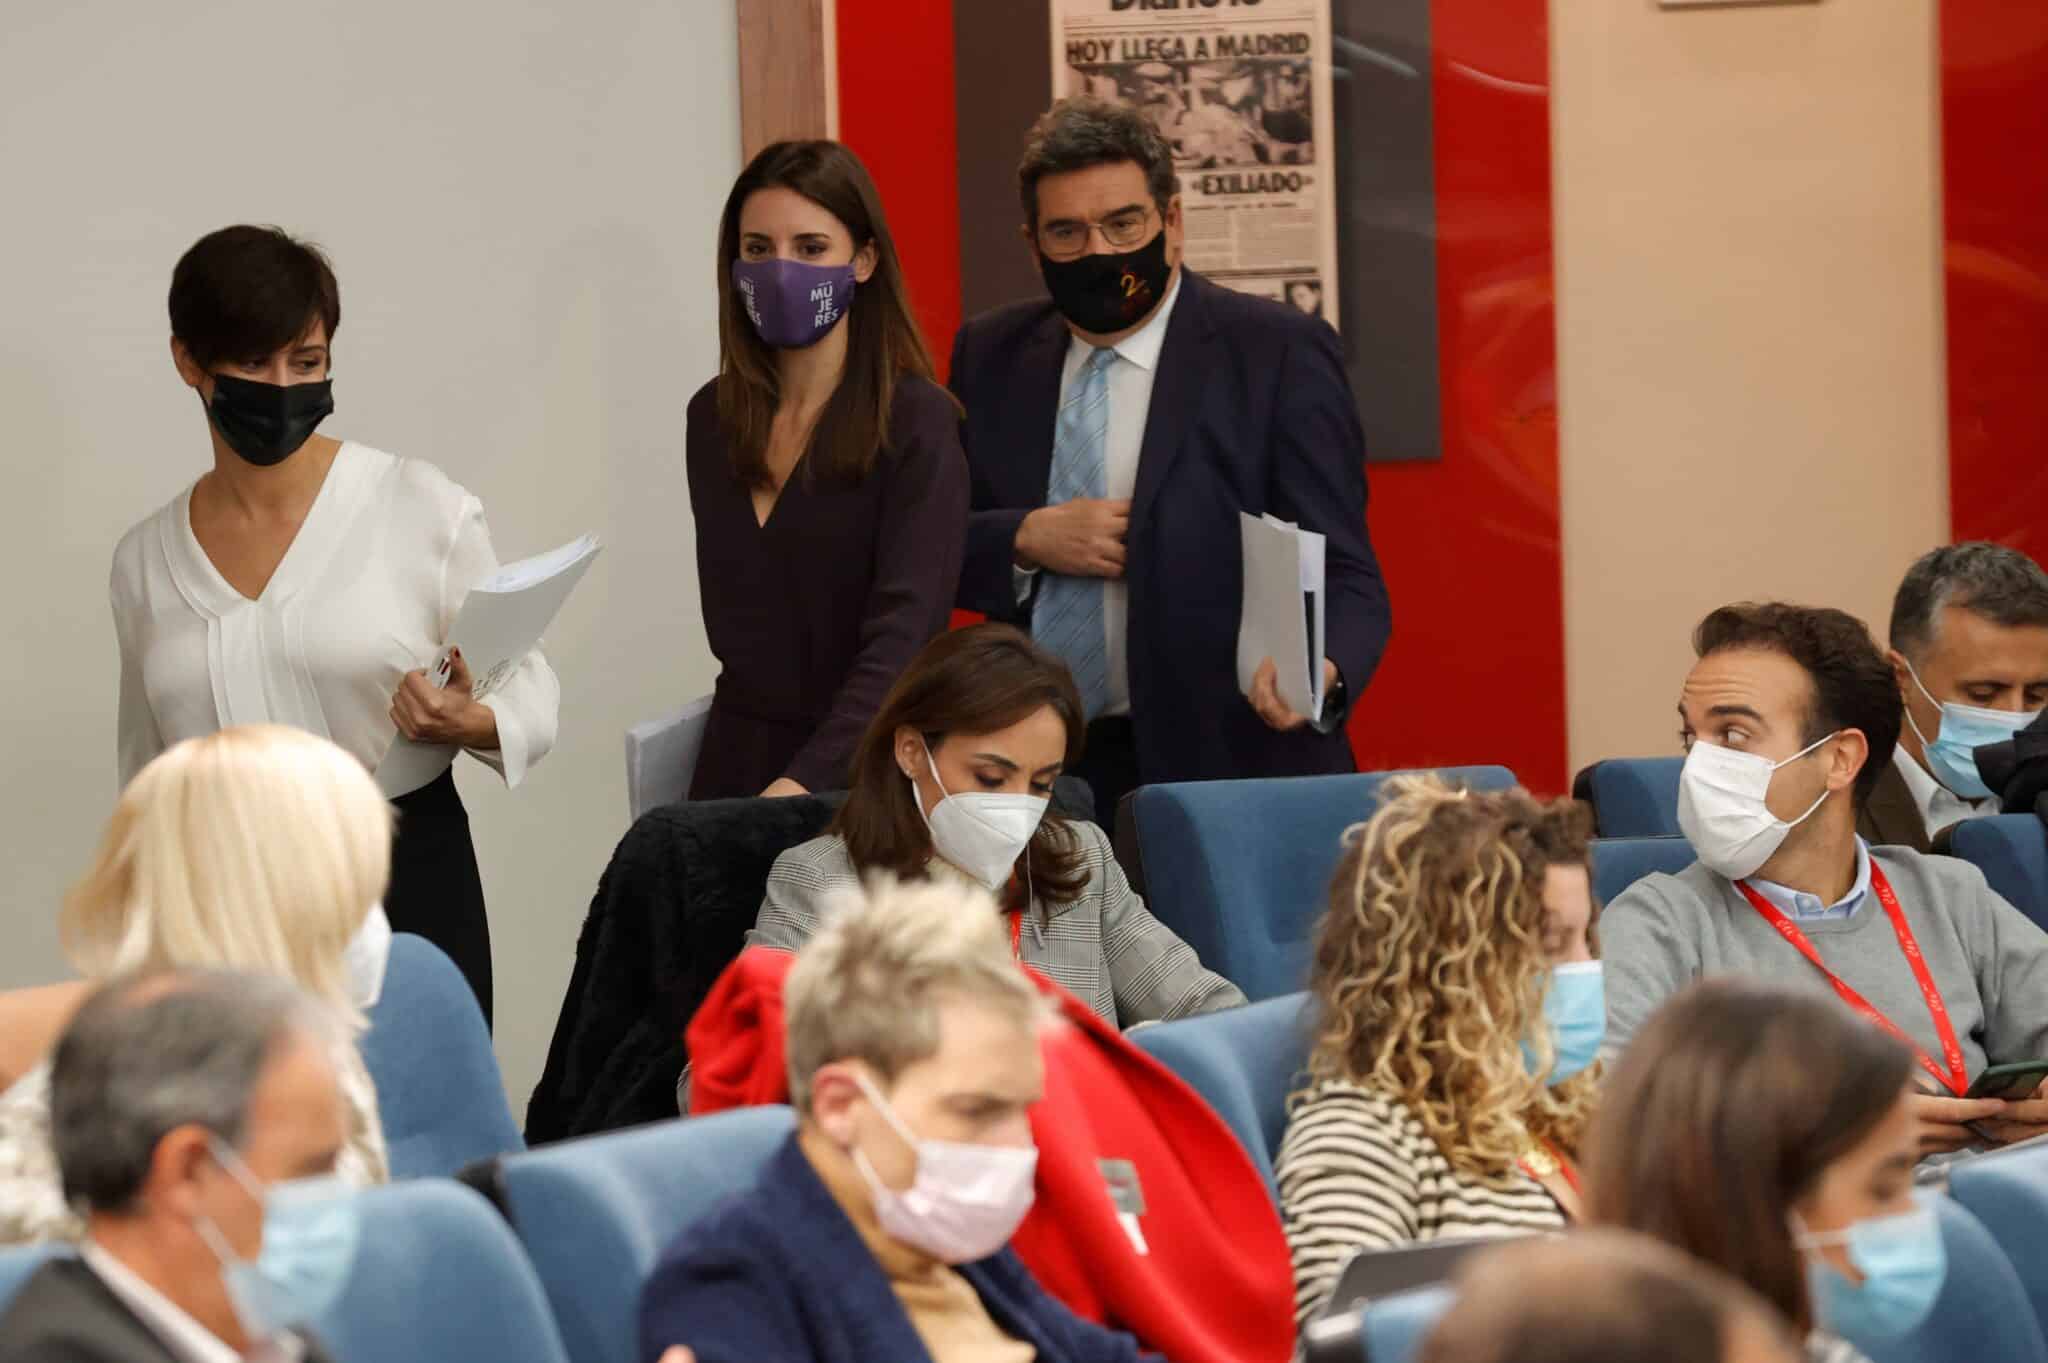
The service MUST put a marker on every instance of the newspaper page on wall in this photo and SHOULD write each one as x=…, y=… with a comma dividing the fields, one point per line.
x=1241, y=88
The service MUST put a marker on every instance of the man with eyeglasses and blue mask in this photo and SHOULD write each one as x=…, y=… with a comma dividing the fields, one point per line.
x=1789, y=719
x=1969, y=646
x=196, y=1120
x=1115, y=432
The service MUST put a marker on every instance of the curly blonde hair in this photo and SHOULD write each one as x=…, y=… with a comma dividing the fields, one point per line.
x=1430, y=969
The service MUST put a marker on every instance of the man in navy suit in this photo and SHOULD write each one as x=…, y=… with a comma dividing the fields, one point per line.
x=1113, y=435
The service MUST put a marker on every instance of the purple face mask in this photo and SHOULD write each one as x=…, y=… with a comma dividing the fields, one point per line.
x=793, y=304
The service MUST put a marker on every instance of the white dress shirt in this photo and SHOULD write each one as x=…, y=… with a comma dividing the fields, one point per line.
x=366, y=593
x=1129, y=378
x=187, y=1340
x=1939, y=806
x=1799, y=904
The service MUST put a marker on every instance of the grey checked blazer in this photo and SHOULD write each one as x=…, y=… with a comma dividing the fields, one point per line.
x=1105, y=948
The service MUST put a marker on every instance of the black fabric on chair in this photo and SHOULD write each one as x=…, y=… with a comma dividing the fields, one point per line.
x=671, y=911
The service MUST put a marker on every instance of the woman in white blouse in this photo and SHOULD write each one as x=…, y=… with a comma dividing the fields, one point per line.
x=309, y=581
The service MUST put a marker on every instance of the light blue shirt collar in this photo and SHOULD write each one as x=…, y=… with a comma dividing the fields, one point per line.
x=1798, y=904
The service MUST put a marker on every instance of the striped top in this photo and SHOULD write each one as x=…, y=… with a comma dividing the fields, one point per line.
x=1105, y=948
x=1358, y=1170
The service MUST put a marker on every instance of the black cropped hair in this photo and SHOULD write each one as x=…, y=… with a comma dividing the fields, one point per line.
x=244, y=293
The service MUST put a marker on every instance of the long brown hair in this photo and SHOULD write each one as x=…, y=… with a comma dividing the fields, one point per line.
x=1430, y=968
x=1725, y=1111
x=970, y=681
x=882, y=346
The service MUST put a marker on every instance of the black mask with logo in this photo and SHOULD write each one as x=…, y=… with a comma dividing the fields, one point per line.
x=1105, y=294
x=265, y=422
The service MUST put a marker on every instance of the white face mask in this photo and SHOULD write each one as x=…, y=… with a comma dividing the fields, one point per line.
x=965, y=1202
x=1722, y=811
x=365, y=957
x=982, y=832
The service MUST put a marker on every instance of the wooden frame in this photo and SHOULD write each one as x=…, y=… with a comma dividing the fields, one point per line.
x=788, y=71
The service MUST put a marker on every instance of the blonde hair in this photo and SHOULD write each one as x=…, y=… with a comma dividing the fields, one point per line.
x=868, y=986
x=1430, y=969
x=258, y=848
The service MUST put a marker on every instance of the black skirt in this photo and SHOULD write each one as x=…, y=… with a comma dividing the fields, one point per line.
x=436, y=890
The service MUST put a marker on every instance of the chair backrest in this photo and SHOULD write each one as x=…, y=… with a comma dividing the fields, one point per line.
x=1982, y=1313
x=1241, y=869
x=1244, y=1062
x=18, y=1263
x=1632, y=797
x=595, y=1214
x=1620, y=862
x=439, y=1276
x=2008, y=1192
x=428, y=1051
x=1394, y=1327
x=2012, y=852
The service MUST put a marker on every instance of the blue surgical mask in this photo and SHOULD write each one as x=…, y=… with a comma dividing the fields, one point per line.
x=311, y=1228
x=1952, y=752
x=1575, y=1010
x=1903, y=1263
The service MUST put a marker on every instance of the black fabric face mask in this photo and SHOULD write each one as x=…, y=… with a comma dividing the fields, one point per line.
x=1104, y=294
x=265, y=422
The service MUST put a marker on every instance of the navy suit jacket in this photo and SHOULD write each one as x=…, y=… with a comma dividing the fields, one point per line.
x=1250, y=411
x=778, y=1274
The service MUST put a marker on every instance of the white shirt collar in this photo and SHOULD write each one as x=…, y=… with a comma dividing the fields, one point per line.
x=1939, y=806
x=1142, y=346
x=186, y=1338
x=1799, y=904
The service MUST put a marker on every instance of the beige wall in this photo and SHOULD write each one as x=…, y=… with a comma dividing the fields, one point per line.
x=521, y=202
x=1749, y=328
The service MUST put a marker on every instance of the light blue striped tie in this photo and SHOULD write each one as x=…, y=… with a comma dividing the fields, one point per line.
x=1067, y=616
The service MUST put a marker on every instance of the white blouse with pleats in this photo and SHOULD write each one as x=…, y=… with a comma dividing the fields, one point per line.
x=367, y=592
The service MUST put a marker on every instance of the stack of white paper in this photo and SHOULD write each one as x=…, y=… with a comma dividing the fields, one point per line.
x=1282, y=613
x=501, y=621
x=661, y=757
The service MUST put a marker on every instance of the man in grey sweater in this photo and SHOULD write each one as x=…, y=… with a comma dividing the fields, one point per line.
x=1789, y=718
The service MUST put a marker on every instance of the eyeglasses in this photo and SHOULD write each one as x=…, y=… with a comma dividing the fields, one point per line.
x=1068, y=240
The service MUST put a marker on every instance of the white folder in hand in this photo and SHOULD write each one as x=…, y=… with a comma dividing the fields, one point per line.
x=1282, y=612
x=661, y=757
x=501, y=621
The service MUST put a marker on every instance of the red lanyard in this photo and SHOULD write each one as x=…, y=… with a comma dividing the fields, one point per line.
x=1957, y=1077
x=1564, y=1166
x=1017, y=933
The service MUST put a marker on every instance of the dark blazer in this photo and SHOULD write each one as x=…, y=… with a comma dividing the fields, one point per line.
x=1250, y=411
x=65, y=1314
x=1891, y=815
x=779, y=1275
x=815, y=614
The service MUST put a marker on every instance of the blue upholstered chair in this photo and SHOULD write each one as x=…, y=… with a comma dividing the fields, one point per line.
x=1244, y=1062
x=439, y=1090
x=1394, y=1327
x=1632, y=797
x=1241, y=869
x=2008, y=1192
x=595, y=1214
x=2012, y=852
x=1982, y=1313
x=1620, y=862
x=17, y=1265
x=439, y=1277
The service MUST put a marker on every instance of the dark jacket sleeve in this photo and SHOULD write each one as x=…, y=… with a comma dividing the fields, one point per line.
x=1319, y=484
x=986, y=584
x=917, y=565
x=725, y=1309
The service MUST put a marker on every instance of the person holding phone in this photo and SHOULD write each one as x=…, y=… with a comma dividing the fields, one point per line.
x=826, y=478
x=1789, y=718
x=308, y=581
x=1771, y=1134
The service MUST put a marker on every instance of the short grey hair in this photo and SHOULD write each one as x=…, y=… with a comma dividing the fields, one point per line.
x=2002, y=585
x=1083, y=131
x=867, y=987
x=147, y=1054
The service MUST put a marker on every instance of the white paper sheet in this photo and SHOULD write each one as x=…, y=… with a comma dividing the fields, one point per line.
x=661, y=757
x=501, y=621
x=1281, y=616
